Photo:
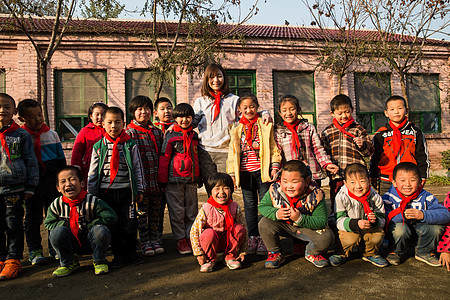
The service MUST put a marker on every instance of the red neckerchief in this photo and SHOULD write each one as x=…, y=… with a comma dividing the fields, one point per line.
x=229, y=221
x=344, y=126
x=293, y=202
x=147, y=131
x=114, y=164
x=13, y=127
x=363, y=201
x=293, y=129
x=397, y=141
x=163, y=126
x=249, y=128
x=37, y=141
x=216, y=104
x=74, y=215
x=402, y=206
x=188, y=134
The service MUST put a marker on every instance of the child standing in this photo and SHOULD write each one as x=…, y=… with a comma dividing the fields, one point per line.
x=116, y=173
x=180, y=172
x=87, y=137
x=412, y=211
x=78, y=223
x=149, y=140
x=346, y=141
x=294, y=208
x=360, y=216
x=50, y=156
x=19, y=177
x=253, y=161
x=398, y=141
x=219, y=226
x=163, y=112
x=444, y=243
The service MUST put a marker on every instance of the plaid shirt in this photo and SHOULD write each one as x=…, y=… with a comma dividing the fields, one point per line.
x=311, y=151
x=149, y=154
x=343, y=149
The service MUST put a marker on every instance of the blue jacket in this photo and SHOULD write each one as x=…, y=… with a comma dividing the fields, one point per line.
x=433, y=211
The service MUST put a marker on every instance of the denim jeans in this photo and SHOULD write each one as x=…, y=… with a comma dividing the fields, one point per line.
x=427, y=236
x=11, y=226
x=66, y=245
x=252, y=189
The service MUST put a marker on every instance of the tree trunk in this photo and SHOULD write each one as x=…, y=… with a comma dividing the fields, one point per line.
x=403, y=85
x=339, y=90
x=43, y=89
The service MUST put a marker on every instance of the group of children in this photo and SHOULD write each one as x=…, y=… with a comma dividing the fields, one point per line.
x=122, y=177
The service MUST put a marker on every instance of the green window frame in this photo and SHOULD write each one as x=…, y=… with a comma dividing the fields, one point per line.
x=137, y=82
x=371, y=92
x=2, y=81
x=75, y=92
x=242, y=81
x=424, y=101
x=299, y=84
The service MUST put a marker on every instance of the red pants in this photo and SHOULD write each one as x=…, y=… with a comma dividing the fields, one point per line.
x=212, y=242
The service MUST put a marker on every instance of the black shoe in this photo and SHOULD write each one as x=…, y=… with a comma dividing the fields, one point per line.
x=136, y=259
x=117, y=263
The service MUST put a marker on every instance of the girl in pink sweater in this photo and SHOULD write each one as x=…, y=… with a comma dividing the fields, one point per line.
x=87, y=137
x=444, y=243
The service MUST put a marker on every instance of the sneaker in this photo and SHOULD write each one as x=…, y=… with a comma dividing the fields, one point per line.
x=207, y=267
x=65, y=271
x=233, y=264
x=101, y=268
x=157, y=247
x=117, y=262
x=36, y=257
x=317, y=260
x=376, y=260
x=252, y=244
x=393, y=258
x=10, y=269
x=261, y=249
x=336, y=260
x=147, y=249
x=183, y=247
x=428, y=258
x=299, y=249
x=274, y=260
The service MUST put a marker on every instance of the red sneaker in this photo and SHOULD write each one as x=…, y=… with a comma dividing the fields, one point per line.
x=10, y=269
x=183, y=247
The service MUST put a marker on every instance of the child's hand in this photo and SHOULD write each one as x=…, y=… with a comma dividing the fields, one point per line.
x=234, y=181
x=266, y=118
x=358, y=141
x=241, y=257
x=202, y=259
x=372, y=218
x=444, y=260
x=283, y=213
x=364, y=224
x=412, y=213
x=332, y=168
x=273, y=175
x=294, y=214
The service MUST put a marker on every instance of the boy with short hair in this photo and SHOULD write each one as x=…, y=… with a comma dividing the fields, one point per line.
x=360, y=216
x=78, y=223
x=412, y=211
x=50, y=156
x=115, y=174
x=346, y=141
x=149, y=140
x=295, y=208
x=398, y=141
x=163, y=112
x=19, y=177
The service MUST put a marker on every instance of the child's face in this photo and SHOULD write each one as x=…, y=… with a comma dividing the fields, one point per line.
x=342, y=113
x=33, y=118
x=216, y=82
x=396, y=111
x=142, y=114
x=184, y=122
x=69, y=184
x=7, y=110
x=164, y=112
x=358, y=184
x=293, y=184
x=97, y=116
x=288, y=112
x=221, y=193
x=113, y=124
x=407, y=182
x=248, y=108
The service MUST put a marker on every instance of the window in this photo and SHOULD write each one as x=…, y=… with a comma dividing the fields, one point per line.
x=298, y=84
x=371, y=92
x=241, y=81
x=2, y=81
x=137, y=82
x=424, y=105
x=75, y=92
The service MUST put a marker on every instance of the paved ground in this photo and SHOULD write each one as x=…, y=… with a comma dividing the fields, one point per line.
x=171, y=275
